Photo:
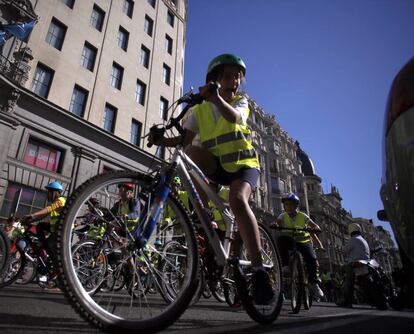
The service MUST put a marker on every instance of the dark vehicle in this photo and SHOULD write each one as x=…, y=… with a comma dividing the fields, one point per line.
x=398, y=170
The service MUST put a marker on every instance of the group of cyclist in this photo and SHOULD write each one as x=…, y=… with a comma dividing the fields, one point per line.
x=227, y=156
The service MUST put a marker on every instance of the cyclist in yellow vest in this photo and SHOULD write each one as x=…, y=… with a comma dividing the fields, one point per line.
x=227, y=155
x=293, y=218
x=127, y=207
x=46, y=230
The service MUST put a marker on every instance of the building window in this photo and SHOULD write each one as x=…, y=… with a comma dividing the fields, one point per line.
x=163, y=108
x=128, y=8
x=122, y=39
x=168, y=44
x=56, y=34
x=97, y=18
x=88, y=57
x=152, y=3
x=78, y=101
x=274, y=185
x=43, y=156
x=21, y=200
x=140, y=90
x=282, y=186
x=170, y=19
x=166, y=74
x=116, y=76
x=69, y=3
x=148, y=25
x=136, y=128
x=144, y=56
x=109, y=118
x=42, y=80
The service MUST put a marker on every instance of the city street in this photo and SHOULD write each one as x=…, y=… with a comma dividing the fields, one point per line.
x=28, y=309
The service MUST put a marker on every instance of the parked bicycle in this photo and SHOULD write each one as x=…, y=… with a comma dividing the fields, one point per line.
x=29, y=260
x=119, y=310
x=299, y=291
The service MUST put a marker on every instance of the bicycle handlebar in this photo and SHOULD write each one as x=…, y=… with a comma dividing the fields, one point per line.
x=174, y=122
x=312, y=230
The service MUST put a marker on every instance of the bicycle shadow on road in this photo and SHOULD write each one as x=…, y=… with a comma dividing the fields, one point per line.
x=385, y=323
x=16, y=323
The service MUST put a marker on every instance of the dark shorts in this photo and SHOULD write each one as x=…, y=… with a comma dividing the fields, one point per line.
x=225, y=178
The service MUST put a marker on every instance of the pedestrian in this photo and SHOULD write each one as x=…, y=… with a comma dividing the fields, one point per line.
x=227, y=155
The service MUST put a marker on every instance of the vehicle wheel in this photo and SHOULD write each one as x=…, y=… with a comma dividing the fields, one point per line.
x=231, y=296
x=307, y=298
x=15, y=268
x=29, y=273
x=171, y=268
x=119, y=311
x=263, y=314
x=218, y=291
x=90, y=262
x=296, y=284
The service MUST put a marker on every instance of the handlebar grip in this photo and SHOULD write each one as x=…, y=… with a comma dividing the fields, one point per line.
x=157, y=133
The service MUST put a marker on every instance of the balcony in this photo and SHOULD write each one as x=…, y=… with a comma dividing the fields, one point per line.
x=13, y=72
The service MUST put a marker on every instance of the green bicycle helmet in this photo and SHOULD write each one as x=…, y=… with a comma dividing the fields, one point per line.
x=218, y=62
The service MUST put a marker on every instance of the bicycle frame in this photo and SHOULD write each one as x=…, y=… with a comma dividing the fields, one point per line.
x=183, y=166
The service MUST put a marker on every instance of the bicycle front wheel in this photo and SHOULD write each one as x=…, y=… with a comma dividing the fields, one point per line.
x=15, y=268
x=264, y=314
x=129, y=308
x=297, y=284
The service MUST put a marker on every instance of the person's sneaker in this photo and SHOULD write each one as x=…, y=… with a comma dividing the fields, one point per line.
x=316, y=290
x=261, y=288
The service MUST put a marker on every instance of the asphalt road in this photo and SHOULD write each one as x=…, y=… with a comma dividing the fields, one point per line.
x=29, y=309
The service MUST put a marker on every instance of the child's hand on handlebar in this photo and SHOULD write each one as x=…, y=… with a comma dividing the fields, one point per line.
x=156, y=136
x=210, y=90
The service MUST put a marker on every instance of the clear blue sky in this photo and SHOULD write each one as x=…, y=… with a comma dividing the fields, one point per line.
x=323, y=68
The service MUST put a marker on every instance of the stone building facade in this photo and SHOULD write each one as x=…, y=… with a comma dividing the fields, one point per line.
x=285, y=167
x=77, y=97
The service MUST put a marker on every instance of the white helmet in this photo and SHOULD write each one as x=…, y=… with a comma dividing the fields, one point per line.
x=354, y=227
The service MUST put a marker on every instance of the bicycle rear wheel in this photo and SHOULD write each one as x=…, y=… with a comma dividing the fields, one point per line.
x=264, y=314
x=127, y=309
x=296, y=285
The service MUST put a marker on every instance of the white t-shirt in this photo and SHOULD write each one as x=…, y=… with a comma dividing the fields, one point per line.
x=241, y=106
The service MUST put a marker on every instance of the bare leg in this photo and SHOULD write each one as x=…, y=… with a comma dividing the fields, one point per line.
x=246, y=221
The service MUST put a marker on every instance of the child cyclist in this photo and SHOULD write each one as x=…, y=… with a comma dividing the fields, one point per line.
x=227, y=155
x=293, y=218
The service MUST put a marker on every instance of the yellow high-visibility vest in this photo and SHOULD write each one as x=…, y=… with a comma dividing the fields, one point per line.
x=230, y=142
x=298, y=222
